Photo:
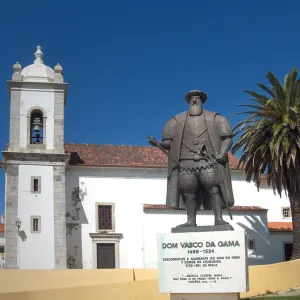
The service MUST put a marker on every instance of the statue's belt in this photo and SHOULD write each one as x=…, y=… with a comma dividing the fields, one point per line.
x=200, y=153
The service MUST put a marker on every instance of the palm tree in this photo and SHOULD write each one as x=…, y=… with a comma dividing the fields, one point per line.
x=270, y=142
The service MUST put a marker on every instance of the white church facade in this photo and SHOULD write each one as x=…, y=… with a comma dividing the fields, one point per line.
x=101, y=206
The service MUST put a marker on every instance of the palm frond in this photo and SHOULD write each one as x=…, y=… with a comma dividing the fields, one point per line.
x=266, y=89
x=290, y=79
x=269, y=138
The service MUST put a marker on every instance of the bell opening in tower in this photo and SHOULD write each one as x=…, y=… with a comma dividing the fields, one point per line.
x=36, y=127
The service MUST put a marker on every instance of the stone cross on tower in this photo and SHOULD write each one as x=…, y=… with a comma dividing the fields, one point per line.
x=38, y=55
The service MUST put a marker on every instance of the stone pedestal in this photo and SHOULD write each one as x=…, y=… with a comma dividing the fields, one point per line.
x=202, y=228
x=203, y=264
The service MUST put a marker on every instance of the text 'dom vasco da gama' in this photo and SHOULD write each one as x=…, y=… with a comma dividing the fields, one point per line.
x=202, y=262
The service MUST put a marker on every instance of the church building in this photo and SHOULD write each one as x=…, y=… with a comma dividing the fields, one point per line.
x=102, y=206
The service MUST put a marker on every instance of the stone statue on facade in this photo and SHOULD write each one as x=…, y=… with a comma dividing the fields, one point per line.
x=197, y=143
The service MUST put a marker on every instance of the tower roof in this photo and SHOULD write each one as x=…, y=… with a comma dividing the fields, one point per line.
x=38, y=72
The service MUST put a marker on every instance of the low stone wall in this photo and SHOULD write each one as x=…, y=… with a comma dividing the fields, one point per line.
x=39, y=280
x=125, y=284
x=273, y=278
x=137, y=290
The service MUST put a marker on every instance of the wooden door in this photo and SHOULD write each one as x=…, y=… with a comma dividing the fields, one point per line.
x=106, y=258
x=288, y=249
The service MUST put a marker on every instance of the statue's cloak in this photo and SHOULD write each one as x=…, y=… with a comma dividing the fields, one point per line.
x=218, y=127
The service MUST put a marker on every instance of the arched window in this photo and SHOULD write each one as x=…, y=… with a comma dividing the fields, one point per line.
x=36, y=127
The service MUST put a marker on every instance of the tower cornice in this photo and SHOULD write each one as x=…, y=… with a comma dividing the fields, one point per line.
x=43, y=86
x=28, y=158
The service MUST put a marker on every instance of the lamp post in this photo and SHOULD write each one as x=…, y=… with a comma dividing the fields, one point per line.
x=18, y=224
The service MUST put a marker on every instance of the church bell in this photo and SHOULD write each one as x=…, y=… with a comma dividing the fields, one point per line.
x=37, y=124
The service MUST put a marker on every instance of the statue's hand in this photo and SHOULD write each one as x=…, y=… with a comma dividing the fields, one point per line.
x=221, y=158
x=153, y=142
x=164, y=144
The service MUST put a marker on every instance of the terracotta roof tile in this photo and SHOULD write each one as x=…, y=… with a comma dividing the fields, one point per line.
x=122, y=156
x=234, y=208
x=280, y=226
x=1, y=227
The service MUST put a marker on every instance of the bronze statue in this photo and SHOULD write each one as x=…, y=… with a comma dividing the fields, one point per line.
x=197, y=143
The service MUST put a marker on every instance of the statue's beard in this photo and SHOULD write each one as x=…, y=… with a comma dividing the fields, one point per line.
x=195, y=110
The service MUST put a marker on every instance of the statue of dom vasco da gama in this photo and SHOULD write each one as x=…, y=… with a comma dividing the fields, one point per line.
x=197, y=143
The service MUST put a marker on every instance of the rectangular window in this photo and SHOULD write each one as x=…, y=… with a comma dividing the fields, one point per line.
x=286, y=212
x=36, y=184
x=35, y=224
x=251, y=244
x=105, y=217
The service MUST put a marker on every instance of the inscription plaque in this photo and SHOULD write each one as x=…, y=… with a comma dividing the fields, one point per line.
x=203, y=262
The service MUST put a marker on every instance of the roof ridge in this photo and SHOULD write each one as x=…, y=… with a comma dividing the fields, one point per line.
x=122, y=155
x=119, y=145
x=114, y=145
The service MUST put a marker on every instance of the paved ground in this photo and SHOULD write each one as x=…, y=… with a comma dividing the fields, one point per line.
x=290, y=292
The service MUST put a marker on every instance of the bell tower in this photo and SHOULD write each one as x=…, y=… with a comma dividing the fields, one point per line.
x=34, y=164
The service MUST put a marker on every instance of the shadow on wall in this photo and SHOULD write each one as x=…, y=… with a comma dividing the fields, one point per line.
x=76, y=159
x=258, y=240
x=75, y=218
x=22, y=235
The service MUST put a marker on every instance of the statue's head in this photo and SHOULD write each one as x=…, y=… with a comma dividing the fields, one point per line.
x=195, y=99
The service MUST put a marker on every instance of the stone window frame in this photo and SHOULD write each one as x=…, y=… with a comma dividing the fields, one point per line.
x=97, y=216
x=39, y=178
x=109, y=238
x=282, y=213
x=39, y=223
x=36, y=146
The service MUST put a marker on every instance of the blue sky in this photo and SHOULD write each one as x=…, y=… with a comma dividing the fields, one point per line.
x=130, y=63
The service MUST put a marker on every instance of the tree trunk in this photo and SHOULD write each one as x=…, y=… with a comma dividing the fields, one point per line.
x=295, y=209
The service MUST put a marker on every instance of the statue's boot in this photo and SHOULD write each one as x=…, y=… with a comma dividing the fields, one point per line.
x=191, y=210
x=216, y=204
